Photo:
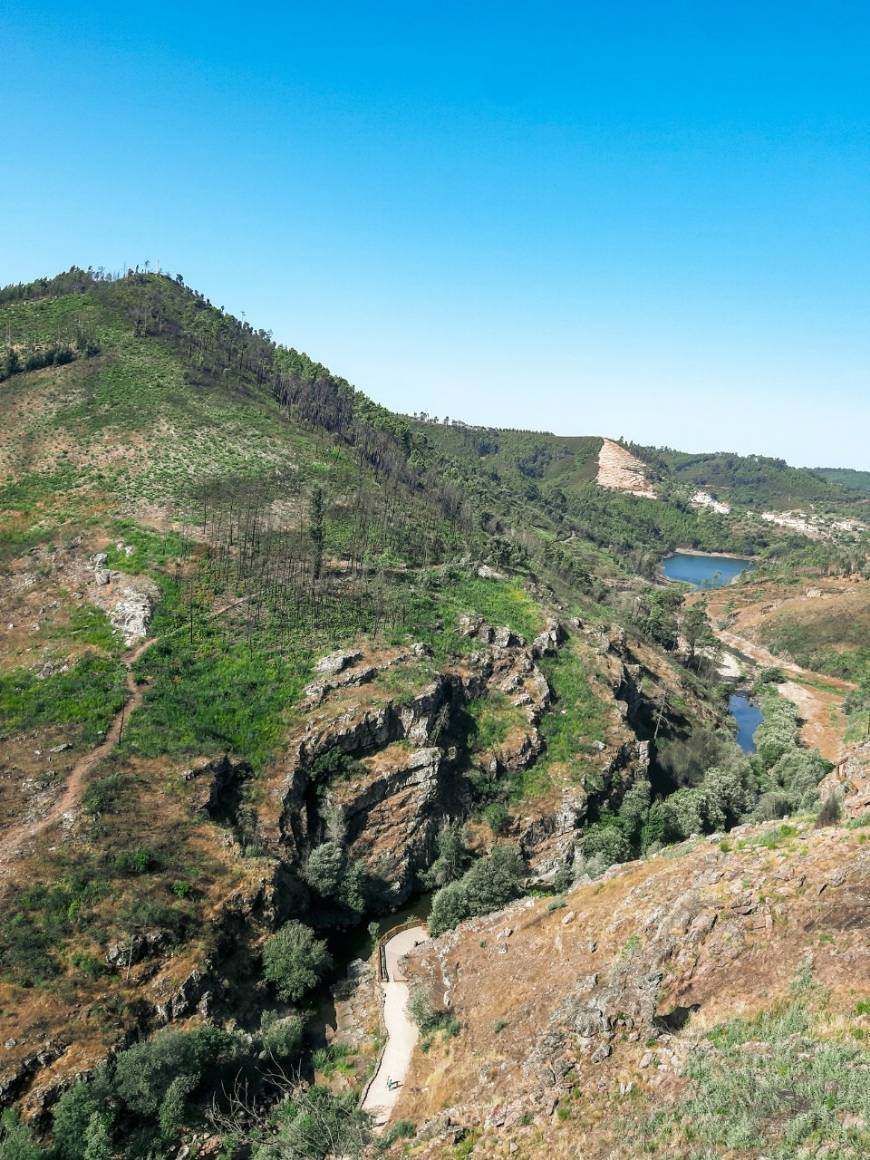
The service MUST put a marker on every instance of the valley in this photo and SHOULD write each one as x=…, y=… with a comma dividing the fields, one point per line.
x=277, y=665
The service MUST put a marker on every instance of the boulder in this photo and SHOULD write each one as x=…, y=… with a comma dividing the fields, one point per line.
x=337, y=662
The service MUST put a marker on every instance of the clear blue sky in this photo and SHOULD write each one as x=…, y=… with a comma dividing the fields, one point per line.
x=649, y=219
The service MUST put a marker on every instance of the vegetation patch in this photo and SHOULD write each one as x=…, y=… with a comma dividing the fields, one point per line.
x=86, y=698
x=778, y=1085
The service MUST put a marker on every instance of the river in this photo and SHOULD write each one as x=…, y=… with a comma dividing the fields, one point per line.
x=703, y=571
x=748, y=717
x=713, y=572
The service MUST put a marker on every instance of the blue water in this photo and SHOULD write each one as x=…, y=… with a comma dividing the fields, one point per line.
x=703, y=571
x=748, y=717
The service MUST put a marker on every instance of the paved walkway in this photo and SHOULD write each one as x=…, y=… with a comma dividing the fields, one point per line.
x=401, y=1030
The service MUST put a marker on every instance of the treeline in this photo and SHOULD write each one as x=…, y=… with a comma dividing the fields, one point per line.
x=758, y=481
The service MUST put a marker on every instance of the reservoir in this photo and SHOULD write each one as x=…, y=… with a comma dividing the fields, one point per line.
x=748, y=717
x=703, y=571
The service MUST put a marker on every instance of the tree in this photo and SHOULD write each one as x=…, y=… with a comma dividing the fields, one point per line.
x=70, y=1118
x=331, y=873
x=98, y=1138
x=453, y=857
x=16, y=1139
x=494, y=881
x=294, y=960
x=144, y=1072
x=316, y=531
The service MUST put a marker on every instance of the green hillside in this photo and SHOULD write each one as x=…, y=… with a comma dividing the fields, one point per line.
x=846, y=478
x=755, y=481
x=194, y=522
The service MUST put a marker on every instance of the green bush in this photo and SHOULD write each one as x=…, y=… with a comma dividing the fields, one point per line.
x=102, y=794
x=281, y=1036
x=311, y=1124
x=144, y=1073
x=488, y=885
x=294, y=960
x=496, y=816
x=87, y=697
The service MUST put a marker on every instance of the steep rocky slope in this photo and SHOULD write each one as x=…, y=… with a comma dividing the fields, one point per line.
x=596, y=1024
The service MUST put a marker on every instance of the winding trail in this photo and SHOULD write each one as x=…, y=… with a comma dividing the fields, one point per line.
x=380, y=1099
x=12, y=841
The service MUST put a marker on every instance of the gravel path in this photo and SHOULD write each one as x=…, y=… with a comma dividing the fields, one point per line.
x=401, y=1030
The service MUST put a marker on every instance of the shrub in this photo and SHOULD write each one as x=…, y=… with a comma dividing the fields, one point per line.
x=102, y=794
x=144, y=1073
x=294, y=960
x=281, y=1037
x=421, y=1008
x=333, y=764
x=86, y=697
x=496, y=817
x=312, y=1124
x=401, y=1130
x=449, y=908
x=830, y=811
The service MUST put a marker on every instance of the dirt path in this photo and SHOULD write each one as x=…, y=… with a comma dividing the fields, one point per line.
x=12, y=842
x=385, y=1087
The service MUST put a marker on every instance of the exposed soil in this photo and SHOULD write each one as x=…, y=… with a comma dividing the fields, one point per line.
x=619, y=470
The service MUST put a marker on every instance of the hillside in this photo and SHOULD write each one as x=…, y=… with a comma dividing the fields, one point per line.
x=277, y=662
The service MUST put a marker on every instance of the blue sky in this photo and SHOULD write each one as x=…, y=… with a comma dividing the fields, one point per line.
x=643, y=219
